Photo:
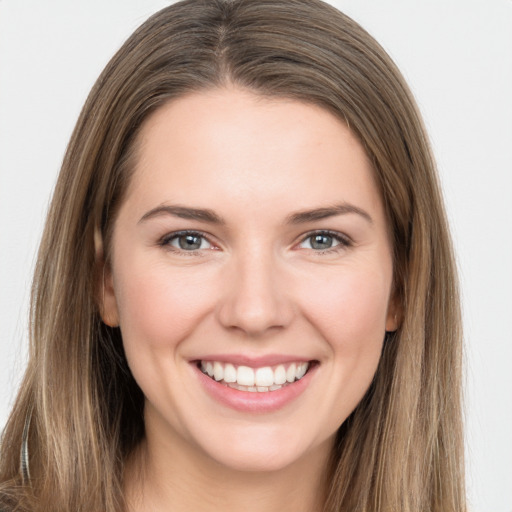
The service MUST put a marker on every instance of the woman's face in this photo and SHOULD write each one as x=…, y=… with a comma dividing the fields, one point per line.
x=252, y=246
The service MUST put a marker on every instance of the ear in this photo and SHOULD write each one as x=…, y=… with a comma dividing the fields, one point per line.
x=105, y=286
x=108, y=302
x=394, y=313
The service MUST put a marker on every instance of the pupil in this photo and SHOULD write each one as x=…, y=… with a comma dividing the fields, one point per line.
x=321, y=241
x=190, y=242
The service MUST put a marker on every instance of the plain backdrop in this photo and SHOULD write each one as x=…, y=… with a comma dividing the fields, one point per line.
x=457, y=58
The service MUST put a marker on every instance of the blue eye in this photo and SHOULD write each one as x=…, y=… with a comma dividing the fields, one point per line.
x=187, y=241
x=324, y=241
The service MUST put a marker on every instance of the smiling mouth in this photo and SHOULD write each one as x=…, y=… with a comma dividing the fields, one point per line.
x=259, y=380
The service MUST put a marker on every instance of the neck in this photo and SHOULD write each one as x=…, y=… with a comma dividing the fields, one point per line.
x=164, y=474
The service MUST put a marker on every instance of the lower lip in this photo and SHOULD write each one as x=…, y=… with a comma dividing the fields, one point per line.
x=254, y=402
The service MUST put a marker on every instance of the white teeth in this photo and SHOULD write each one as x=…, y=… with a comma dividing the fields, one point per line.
x=245, y=376
x=264, y=376
x=250, y=379
x=301, y=370
x=290, y=373
x=280, y=375
x=252, y=389
x=229, y=373
x=218, y=371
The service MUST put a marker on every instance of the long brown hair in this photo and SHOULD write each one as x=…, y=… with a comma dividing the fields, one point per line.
x=80, y=408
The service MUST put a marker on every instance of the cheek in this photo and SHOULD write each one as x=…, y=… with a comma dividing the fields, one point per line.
x=159, y=306
x=350, y=315
x=350, y=304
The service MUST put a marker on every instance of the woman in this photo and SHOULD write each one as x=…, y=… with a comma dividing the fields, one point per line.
x=245, y=294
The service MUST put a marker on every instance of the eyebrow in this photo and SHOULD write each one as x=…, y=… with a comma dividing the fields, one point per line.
x=323, y=213
x=184, y=212
x=209, y=216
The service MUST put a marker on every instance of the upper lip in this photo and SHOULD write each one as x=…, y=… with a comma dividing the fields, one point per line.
x=254, y=361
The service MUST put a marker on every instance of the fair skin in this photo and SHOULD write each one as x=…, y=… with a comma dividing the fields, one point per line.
x=252, y=235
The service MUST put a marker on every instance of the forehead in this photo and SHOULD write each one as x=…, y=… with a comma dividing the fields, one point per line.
x=231, y=144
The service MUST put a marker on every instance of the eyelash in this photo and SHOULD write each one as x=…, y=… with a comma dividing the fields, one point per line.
x=343, y=241
x=166, y=240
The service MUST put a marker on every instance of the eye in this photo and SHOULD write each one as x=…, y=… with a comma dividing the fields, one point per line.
x=186, y=241
x=324, y=241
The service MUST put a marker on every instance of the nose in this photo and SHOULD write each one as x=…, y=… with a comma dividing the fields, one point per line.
x=254, y=299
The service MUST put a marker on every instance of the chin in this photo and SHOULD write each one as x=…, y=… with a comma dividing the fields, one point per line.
x=263, y=451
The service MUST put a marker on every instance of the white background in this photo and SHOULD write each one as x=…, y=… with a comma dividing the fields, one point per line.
x=457, y=57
